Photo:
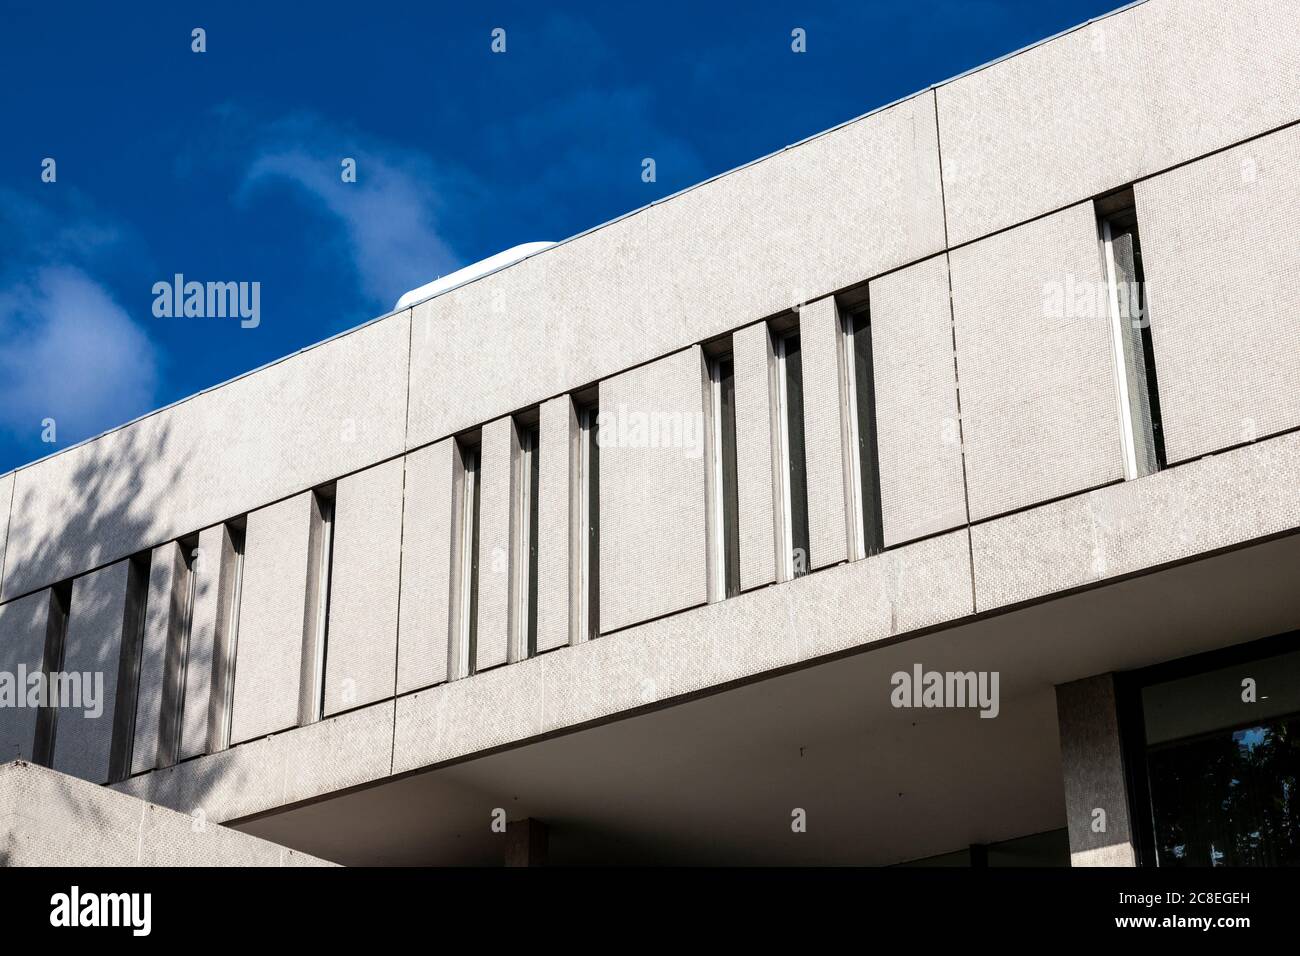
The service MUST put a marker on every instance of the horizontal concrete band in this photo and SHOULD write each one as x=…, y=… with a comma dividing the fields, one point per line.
x=1092, y=538
x=1160, y=83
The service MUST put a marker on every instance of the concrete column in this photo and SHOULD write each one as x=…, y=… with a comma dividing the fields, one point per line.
x=1092, y=766
x=526, y=842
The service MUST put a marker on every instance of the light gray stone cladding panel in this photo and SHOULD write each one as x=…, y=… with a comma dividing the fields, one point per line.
x=1110, y=102
x=652, y=491
x=1040, y=416
x=92, y=648
x=557, y=433
x=821, y=344
x=751, y=349
x=804, y=222
x=922, y=490
x=272, y=613
x=51, y=819
x=1223, y=281
x=23, y=625
x=1214, y=73
x=500, y=444
x=1202, y=506
x=365, y=582
x=424, y=618
x=321, y=413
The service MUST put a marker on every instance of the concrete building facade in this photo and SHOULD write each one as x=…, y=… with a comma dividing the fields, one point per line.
x=616, y=554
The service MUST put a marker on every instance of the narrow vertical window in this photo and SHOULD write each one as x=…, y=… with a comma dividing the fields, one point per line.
x=316, y=626
x=1141, y=435
x=230, y=593
x=585, y=543
x=523, y=565
x=793, y=503
x=863, y=460
x=723, y=493
x=128, y=668
x=465, y=576
x=176, y=663
x=56, y=632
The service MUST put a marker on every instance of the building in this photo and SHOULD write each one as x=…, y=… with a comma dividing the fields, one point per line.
x=644, y=548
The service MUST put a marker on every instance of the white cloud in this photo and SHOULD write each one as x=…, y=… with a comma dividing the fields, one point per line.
x=389, y=213
x=69, y=352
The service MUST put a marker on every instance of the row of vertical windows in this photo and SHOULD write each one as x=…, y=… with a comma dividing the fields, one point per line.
x=790, y=471
x=1137, y=397
x=525, y=493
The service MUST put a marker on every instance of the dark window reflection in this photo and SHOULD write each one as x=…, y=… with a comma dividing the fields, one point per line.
x=1228, y=798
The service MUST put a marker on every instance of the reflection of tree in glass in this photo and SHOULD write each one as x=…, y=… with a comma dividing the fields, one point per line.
x=1230, y=798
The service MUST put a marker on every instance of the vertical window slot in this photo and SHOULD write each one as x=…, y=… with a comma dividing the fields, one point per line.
x=128, y=668
x=465, y=571
x=316, y=625
x=56, y=632
x=585, y=543
x=176, y=664
x=723, y=492
x=523, y=584
x=1137, y=393
x=230, y=594
x=863, y=457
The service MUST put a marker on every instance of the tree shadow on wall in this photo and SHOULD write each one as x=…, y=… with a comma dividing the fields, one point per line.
x=87, y=508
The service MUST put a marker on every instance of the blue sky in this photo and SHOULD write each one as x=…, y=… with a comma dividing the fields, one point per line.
x=224, y=165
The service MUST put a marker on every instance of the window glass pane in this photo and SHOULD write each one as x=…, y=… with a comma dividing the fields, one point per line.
x=533, y=479
x=1223, y=765
x=797, y=471
x=1122, y=251
x=730, y=491
x=473, y=487
x=593, y=522
x=868, y=455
